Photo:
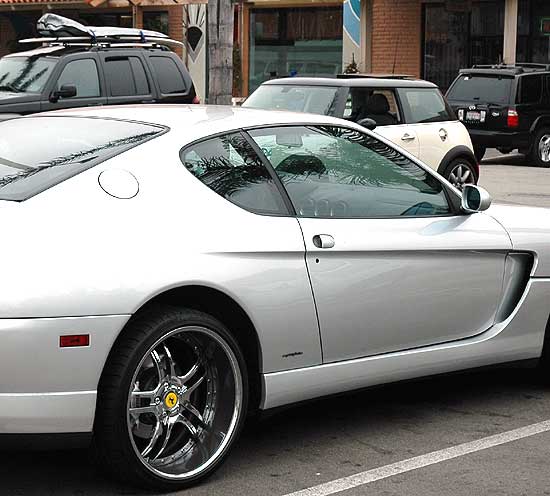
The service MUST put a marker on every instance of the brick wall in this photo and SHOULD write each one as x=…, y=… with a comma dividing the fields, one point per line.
x=397, y=34
x=175, y=20
x=7, y=35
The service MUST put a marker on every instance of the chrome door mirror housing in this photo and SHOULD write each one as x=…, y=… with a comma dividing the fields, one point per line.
x=475, y=199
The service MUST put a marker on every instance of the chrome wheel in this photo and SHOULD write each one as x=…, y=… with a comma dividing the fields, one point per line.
x=184, y=403
x=461, y=174
x=544, y=148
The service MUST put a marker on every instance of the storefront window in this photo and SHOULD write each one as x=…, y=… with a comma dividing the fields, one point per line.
x=461, y=34
x=294, y=41
x=156, y=21
x=534, y=31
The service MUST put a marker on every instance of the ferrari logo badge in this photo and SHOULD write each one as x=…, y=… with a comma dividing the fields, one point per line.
x=171, y=400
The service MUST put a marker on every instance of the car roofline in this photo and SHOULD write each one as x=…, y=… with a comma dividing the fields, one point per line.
x=373, y=82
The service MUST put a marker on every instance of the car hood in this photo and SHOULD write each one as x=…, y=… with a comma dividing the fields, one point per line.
x=529, y=230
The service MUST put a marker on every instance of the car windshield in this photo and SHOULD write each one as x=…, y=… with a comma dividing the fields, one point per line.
x=25, y=74
x=61, y=148
x=485, y=89
x=313, y=99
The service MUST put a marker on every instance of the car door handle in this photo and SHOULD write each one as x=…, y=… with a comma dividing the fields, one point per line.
x=323, y=241
x=407, y=137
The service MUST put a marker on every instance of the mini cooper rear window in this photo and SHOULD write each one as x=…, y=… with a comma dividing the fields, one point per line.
x=37, y=153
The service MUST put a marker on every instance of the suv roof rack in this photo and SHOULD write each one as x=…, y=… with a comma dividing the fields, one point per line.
x=517, y=68
x=59, y=30
x=375, y=76
x=105, y=42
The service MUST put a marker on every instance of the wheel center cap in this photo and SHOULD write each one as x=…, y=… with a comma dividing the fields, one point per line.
x=171, y=400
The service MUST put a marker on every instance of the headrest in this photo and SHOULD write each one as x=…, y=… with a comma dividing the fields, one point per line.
x=378, y=104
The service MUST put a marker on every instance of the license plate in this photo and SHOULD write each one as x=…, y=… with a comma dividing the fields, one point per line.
x=473, y=115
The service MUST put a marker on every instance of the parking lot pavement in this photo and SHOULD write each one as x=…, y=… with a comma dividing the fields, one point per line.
x=329, y=439
x=511, y=179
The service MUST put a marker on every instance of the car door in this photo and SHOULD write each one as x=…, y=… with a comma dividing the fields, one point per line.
x=361, y=104
x=126, y=79
x=393, y=265
x=82, y=72
x=429, y=116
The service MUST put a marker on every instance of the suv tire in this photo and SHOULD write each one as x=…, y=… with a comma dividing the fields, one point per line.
x=540, y=148
x=479, y=152
x=171, y=400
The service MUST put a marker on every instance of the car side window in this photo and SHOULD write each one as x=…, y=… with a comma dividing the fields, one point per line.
x=530, y=90
x=168, y=75
x=126, y=76
x=229, y=166
x=372, y=103
x=339, y=172
x=83, y=75
x=423, y=105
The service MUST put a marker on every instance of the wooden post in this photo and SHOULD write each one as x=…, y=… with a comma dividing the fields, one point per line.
x=220, y=51
x=510, y=31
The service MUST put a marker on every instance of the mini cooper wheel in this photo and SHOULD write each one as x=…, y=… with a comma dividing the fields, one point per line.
x=172, y=400
x=460, y=172
x=540, y=150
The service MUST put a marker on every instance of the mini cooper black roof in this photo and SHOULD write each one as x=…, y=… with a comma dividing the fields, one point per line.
x=373, y=80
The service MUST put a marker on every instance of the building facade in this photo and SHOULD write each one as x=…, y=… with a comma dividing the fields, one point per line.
x=434, y=39
x=431, y=39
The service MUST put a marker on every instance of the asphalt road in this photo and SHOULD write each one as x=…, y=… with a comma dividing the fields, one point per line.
x=329, y=439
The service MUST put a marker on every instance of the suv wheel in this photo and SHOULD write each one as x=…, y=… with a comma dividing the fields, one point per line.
x=479, y=152
x=171, y=401
x=540, y=151
x=460, y=172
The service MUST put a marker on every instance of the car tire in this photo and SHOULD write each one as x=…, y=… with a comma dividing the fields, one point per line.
x=540, y=148
x=171, y=401
x=459, y=172
x=479, y=152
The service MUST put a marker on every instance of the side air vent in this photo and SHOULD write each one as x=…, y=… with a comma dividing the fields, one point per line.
x=517, y=271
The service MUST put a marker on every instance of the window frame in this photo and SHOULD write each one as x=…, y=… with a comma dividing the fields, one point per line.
x=398, y=105
x=405, y=107
x=453, y=197
x=70, y=61
x=290, y=212
x=519, y=94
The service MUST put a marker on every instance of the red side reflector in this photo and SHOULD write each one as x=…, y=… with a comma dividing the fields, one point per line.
x=196, y=100
x=513, y=118
x=74, y=340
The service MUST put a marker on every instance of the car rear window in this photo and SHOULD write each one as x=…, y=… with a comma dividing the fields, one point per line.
x=312, y=99
x=483, y=89
x=61, y=148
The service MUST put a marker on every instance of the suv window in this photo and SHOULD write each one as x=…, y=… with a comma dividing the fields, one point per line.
x=313, y=99
x=168, y=75
x=229, y=166
x=377, y=104
x=530, y=89
x=422, y=105
x=126, y=76
x=339, y=172
x=62, y=147
x=25, y=74
x=82, y=74
x=483, y=89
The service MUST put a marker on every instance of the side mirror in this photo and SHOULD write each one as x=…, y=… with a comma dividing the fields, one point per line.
x=475, y=199
x=66, y=91
x=368, y=123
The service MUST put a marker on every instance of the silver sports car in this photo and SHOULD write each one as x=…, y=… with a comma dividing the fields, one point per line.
x=168, y=269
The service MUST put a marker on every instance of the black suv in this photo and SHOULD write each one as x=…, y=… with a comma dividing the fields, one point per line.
x=59, y=76
x=505, y=107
